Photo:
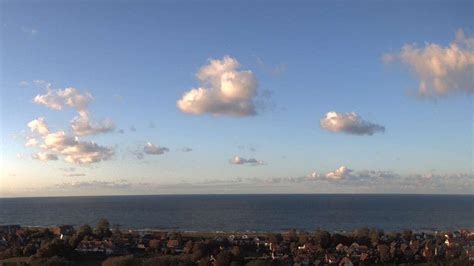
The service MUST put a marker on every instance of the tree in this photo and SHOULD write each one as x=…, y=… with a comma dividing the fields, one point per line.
x=384, y=253
x=52, y=248
x=374, y=236
x=340, y=239
x=407, y=235
x=53, y=261
x=323, y=238
x=275, y=238
x=303, y=238
x=103, y=228
x=236, y=252
x=79, y=235
x=223, y=258
x=120, y=261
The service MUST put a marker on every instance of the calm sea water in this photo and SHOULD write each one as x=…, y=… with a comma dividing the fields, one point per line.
x=247, y=212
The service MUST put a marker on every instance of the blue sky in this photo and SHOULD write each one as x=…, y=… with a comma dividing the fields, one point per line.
x=137, y=60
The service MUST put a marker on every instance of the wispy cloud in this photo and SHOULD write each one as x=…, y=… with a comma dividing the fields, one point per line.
x=30, y=31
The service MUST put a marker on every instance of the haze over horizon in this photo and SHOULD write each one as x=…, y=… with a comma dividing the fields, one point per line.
x=107, y=98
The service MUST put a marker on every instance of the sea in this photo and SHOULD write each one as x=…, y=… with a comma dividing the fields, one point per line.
x=247, y=213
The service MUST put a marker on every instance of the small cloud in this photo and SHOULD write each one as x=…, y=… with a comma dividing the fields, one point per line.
x=338, y=174
x=39, y=126
x=28, y=30
x=133, y=129
x=186, y=149
x=225, y=90
x=23, y=83
x=42, y=156
x=276, y=70
x=150, y=148
x=121, y=131
x=388, y=58
x=75, y=175
x=68, y=169
x=237, y=160
x=31, y=142
x=349, y=123
x=151, y=125
x=279, y=69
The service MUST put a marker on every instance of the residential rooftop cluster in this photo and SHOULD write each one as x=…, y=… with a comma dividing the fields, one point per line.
x=84, y=245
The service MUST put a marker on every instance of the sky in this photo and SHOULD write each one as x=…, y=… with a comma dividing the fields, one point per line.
x=161, y=97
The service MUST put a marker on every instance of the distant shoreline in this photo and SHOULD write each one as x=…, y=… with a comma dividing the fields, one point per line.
x=237, y=194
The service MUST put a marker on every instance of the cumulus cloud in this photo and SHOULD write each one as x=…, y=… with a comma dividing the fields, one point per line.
x=57, y=99
x=441, y=70
x=349, y=123
x=39, y=126
x=42, y=156
x=224, y=90
x=31, y=142
x=151, y=148
x=69, y=146
x=240, y=161
x=81, y=124
x=339, y=174
x=74, y=150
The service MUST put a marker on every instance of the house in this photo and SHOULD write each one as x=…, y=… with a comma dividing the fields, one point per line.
x=340, y=247
x=63, y=231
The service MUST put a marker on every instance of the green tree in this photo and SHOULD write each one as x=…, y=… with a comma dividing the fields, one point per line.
x=223, y=258
x=323, y=238
x=128, y=260
x=79, y=235
x=103, y=229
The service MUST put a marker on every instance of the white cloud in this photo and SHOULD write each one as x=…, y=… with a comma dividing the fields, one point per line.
x=31, y=142
x=74, y=150
x=30, y=31
x=240, y=161
x=339, y=174
x=441, y=70
x=118, y=184
x=83, y=126
x=350, y=123
x=57, y=99
x=23, y=83
x=39, y=126
x=59, y=143
x=150, y=148
x=42, y=156
x=225, y=90
x=75, y=175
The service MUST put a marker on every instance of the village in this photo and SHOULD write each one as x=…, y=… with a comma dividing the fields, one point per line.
x=84, y=245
